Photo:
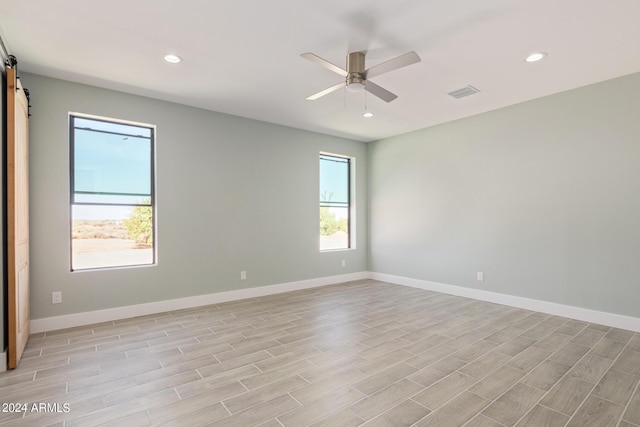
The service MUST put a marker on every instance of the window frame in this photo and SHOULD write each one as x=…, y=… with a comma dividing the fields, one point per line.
x=350, y=208
x=152, y=190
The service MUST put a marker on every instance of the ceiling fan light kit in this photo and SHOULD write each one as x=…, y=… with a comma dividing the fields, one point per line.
x=355, y=86
x=357, y=77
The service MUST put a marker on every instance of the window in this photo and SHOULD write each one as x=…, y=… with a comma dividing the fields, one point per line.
x=112, y=194
x=335, y=202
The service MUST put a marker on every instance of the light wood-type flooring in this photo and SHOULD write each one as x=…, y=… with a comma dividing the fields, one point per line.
x=361, y=353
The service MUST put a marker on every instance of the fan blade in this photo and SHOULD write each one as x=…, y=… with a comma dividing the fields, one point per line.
x=378, y=91
x=326, y=91
x=326, y=64
x=393, y=64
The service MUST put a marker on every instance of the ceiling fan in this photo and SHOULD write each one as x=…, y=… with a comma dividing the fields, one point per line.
x=357, y=78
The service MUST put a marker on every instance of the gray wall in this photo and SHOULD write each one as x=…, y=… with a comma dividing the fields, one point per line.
x=233, y=194
x=543, y=197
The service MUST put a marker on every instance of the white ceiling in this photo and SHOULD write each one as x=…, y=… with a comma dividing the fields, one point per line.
x=243, y=57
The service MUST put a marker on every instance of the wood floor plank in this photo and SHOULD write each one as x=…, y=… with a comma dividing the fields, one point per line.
x=344, y=418
x=384, y=378
x=569, y=353
x=504, y=335
x=546, y=375
x=260, y=395
x=588, y=337
x=195, y=418
x=203, y=385
x=529, y=358
x=512, y=405
x=382, y=362
x=378, y=350
x=263, y=378
x=285, y=358
x=553, y=341
x=150, y=387
x=572, y=327
x=405, y=414
x=484, y=365
x=137, y=419
x=632, y=414
x=188, y=405
x=178, y=368
x=515, y=346
x=259, y=413
x=619, y=335
x=228, y=365
x=482, y=421
x=7, y=380
x=596, y=412
x=498, y=382
x=114, y=412
x=384, y=399
x=332, y=380
x=591, y=368
x=321, y=408
x=541, y=416
x=420, y=345
x=634, y=342
x=444, y=390
x=475, y=350
x=436, y=371
x=607, y=348
x=456, y=412
x=428, y=357
x=567, y=395
x=616, y=387
x=628, y=361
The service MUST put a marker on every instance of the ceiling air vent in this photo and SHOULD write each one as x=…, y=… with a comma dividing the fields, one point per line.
x=465, y=91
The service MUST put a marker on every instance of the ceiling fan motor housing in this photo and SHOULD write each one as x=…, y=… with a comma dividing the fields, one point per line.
x=355, y=71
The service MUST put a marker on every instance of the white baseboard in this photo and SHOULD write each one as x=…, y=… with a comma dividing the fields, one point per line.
x=3, y=361
x=116, y=313
x=584, y=314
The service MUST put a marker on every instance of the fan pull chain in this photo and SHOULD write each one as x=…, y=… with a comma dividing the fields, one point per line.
x=344, y=91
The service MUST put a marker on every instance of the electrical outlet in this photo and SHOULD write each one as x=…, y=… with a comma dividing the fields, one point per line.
x=480, y=276
x=344, y=263
x=243, y=275
x=56, y=297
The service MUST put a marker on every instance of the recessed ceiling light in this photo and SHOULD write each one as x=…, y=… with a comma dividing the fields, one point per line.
x=174, y=59
x=367, y=114
x=536, y=56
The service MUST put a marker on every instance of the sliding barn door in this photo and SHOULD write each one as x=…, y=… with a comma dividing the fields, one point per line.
x=17, y=216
